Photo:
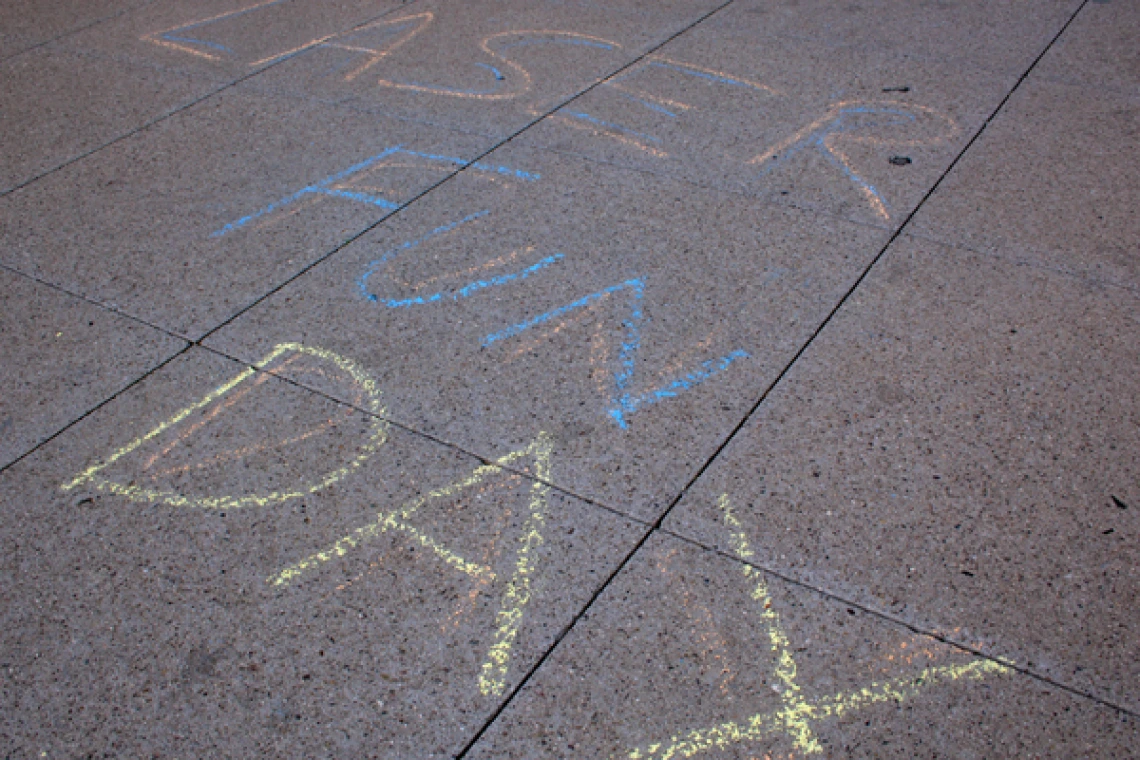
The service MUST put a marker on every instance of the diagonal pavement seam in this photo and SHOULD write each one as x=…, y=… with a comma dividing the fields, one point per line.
x=84, y=415
x=77, y=30
x=184, y=107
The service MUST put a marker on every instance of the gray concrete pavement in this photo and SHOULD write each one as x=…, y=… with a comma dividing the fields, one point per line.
x=746, y=379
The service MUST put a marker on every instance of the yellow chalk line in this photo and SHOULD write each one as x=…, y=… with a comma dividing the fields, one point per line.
x=516, y=597
x=792, y=720
x=138, y=493
x=492, y=679
x=373, y=530
x=518, y=592
x=795, y=712
x=475, y=570
x=383, y=524
x=774, y=722
x=905, y=687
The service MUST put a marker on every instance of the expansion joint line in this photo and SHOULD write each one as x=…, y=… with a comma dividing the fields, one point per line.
x=179, y=109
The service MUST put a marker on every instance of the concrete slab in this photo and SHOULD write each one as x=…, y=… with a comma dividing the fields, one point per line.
x=633, y=317
x=1098, y=49
x=850, y=132
x=39, y=21
x=430, y=449
x=690, y=654
x=189, y=222
x=11, y=45
x=56, y=105
x=226, y=39
x=488, y=67
x=1051, y=181
x=62, y=357
x=166, y=592
x=993, y=34
x=959, y=451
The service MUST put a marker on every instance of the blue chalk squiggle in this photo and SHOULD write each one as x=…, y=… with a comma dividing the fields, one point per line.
x=629, y=404
x=514, y=330
x=362, y=283
x=322, y=188
x=468, y=289
x=623, y=403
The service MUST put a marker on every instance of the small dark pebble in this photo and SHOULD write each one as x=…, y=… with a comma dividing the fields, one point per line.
x=1119, y=503
x=967, y=572
x=1109, y=531
x=900, y=160
x=896, y=89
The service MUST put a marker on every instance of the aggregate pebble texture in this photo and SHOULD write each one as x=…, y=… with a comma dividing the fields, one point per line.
x=503, y=379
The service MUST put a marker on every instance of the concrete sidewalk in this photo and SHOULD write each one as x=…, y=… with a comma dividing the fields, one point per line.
x=746, y=379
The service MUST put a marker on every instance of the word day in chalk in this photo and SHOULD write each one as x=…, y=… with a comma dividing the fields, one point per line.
x=798, y=714
x=517, y=588
x=621, y=397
